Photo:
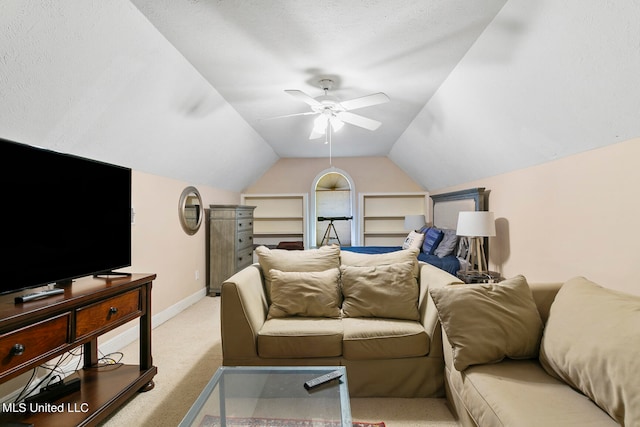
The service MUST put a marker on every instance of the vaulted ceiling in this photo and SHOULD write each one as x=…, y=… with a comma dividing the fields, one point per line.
x=251, y=51
x=184, y=88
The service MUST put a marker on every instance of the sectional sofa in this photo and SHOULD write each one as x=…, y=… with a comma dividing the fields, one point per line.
x=504, y=354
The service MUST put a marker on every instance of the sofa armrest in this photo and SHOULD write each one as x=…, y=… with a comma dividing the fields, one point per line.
x=243, y=311
x=432, y=277
x=543, y=295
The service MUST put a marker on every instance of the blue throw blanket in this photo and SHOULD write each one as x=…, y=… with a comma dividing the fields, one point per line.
x=449, y=263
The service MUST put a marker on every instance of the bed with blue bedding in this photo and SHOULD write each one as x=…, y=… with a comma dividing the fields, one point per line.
x=449, y=263
x=447, y=252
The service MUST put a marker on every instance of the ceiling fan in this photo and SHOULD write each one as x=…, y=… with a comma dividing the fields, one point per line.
x=332, y=111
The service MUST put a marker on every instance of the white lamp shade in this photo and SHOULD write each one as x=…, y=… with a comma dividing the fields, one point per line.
x=414, y=222
x=476, y=223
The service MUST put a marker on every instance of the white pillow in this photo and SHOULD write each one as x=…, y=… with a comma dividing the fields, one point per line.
x=413, y=241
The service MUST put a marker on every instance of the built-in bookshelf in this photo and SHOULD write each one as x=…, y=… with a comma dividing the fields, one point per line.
x=278, y=217
x=382, y=216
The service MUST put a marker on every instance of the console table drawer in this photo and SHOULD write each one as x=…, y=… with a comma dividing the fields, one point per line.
x=108, y=314
x=23, y=345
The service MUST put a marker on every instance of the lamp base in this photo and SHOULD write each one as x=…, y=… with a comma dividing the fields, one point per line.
x=475, y=256
x=475, y=276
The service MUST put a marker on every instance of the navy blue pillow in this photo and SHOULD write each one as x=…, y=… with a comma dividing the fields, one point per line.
x=432, y=239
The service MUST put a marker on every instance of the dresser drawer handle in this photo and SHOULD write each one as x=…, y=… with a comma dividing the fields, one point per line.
x=17, y=350
x=113, y=310
x=239, y=224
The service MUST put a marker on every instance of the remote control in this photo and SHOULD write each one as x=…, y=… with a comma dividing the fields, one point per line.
x=322, y=379
x=41, y=294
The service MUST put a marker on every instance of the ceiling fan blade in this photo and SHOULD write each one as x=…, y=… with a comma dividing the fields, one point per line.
x=365, y=101
x=358, y=120
x=290, y=115
x=300, y=95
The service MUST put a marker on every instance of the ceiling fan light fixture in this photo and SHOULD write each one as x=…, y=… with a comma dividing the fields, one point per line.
x=331, y=110
x=336, y=123
x=320, y=125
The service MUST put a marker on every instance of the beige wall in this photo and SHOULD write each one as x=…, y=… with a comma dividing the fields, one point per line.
x=370, y=174
x=573, y=216
x=160, y=246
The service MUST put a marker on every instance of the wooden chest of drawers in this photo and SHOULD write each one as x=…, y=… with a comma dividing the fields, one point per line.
x=229, y=243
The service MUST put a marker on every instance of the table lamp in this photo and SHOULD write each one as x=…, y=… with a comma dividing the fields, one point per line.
x=476, y=225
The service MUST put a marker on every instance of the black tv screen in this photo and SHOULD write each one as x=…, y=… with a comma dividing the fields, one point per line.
x=63, y=217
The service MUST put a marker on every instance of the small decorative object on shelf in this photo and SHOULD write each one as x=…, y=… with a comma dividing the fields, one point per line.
x=475, y=276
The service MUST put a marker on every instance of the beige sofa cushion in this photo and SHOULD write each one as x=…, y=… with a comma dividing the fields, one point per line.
x=320, y=259
x=389, y=291
x=487, y=322
x=372, y=260
x=297, y=337
x=307, y=294
x=520, y=393
x=592, y=342
x=366, y=339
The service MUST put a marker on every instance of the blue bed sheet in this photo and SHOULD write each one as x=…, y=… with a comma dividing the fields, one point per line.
x=450, y=263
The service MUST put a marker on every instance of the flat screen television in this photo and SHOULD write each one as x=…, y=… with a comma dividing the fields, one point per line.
x=63, y=217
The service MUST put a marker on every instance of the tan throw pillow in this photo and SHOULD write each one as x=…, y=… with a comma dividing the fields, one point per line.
x=413, y=241
x=592, y=342
x=373, y=260
x=305, y=294
x=487, y=322
x=388, y=291
x=320, y=259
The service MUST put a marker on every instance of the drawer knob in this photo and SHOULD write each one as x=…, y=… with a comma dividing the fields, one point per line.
x=239, y=224
x=113, y=310
x=17, y=349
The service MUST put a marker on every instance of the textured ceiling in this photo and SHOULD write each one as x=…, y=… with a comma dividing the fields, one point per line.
x=251, y=51
x=182, y=88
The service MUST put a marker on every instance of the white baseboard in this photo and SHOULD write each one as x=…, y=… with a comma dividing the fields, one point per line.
x=130, y=335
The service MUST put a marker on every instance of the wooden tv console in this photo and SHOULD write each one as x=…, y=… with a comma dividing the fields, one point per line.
x=34, y=332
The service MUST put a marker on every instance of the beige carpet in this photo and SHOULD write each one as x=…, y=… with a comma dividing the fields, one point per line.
x=187, y=351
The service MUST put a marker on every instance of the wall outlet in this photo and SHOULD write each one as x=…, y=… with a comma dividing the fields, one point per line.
x=197, y=275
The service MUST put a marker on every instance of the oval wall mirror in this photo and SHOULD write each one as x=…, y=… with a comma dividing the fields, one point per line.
x=190, y=210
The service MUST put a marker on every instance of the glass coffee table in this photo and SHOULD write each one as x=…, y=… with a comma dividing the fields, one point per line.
x=271, y=396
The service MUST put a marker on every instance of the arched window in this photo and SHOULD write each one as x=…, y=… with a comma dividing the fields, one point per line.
x=333, y=195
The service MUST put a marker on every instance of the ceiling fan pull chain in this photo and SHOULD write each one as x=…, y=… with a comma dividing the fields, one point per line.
x=329, y=133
